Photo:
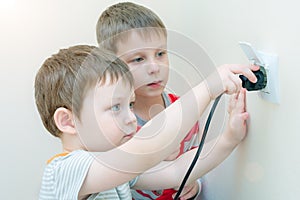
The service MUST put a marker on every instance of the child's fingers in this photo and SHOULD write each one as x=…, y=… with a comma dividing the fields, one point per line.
x=237, y=82
x=246, y=71
x=234, y=84
x=230, y=87
x=241, y=101
x=254, y=67
x=237, y=103
x=240, y=121
x=232, y=102
x=244, y=116
x=189, y=191
x=243, y=91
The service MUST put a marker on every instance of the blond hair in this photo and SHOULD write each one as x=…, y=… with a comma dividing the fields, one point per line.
x=65, y=77
x=123, y=17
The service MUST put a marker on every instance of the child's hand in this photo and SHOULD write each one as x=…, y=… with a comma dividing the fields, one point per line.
x=231, y=82
x=237, y=127
x=189, y=191
x=227, y=80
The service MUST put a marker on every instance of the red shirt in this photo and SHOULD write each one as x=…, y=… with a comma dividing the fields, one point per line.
x=188, y=143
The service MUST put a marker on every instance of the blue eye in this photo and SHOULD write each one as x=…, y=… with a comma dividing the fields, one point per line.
x=116, y=107
x=131, y=104
x=137, y=60
x=161, y=53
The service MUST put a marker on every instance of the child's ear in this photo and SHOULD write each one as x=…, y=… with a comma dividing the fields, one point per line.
x=64, y=121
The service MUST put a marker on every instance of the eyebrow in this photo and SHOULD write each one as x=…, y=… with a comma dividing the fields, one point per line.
x=158, y=47
x=117, y=98
x=137, y=51
x=122, y=97
x=132, y=97
x=162, y=46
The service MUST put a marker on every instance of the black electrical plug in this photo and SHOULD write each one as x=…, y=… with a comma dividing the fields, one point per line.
x=261, y=83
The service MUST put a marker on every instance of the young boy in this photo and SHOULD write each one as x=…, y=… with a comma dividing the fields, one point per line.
x=138, y=36
x=85, y=97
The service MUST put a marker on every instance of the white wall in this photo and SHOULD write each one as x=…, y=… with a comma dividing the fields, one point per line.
x=265, y=166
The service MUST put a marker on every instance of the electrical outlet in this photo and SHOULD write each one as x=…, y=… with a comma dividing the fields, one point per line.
x=270, y=63
x=271, y=91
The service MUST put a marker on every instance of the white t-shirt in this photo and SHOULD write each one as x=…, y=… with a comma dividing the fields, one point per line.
x=64, y=175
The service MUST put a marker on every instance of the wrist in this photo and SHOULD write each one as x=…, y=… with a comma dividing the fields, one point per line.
x=229, y=139
x=199, y=185
x=214, y=85
x=199, y=188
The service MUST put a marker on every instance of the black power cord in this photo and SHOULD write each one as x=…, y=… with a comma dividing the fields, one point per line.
x=261, y=83
x=212, y=110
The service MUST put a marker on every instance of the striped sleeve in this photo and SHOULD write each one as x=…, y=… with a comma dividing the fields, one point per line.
x=64, y=176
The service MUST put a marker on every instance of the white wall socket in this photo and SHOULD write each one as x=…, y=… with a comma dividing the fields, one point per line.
x=271, y=91
x=270, y=62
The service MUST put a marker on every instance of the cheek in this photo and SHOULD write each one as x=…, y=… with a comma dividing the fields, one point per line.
x=139, y=77
x=103, y=135
x=91, y=135
x=111, y=127
x=165, y=73
x=166, y=70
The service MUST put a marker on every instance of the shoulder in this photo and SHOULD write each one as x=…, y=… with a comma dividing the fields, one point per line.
x=78, y=157
x=76, y=163
x=69, y=170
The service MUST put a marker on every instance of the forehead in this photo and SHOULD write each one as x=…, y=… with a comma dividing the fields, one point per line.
x=137, y=40
x=120, y=88
x=104, y=94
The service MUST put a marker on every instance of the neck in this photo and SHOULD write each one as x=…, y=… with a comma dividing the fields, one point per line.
x=70, y=143
x=148, y=107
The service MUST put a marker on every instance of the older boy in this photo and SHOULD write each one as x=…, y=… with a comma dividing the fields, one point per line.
x=139, y=37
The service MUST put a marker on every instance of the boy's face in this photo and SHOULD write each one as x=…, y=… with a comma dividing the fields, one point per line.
x=107, y=118
x=148, y=61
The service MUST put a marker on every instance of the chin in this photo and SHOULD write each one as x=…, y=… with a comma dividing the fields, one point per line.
x=124, y=141
x=154, y=93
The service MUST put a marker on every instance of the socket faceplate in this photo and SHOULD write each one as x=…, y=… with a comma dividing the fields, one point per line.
x=271, y=91
x=270, y=62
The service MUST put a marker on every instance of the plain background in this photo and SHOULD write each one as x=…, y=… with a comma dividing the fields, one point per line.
x=265, y=166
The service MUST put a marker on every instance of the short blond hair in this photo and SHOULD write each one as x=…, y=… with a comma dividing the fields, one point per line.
x=123, y=17
x=65, y=77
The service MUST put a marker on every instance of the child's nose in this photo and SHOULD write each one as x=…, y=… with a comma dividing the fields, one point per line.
x=130, y=118
x=153, y=68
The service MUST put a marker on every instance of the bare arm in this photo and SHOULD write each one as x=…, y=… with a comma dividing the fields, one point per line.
x=152, y=144
x=156, y=140
x=174, y=171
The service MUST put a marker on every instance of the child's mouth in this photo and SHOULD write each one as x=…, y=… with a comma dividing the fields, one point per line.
x=155, y=84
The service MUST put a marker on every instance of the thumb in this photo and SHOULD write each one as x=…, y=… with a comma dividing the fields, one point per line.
x=244, y=116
